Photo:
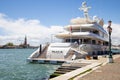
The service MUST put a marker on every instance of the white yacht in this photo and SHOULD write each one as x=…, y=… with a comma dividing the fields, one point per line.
x=84, y=36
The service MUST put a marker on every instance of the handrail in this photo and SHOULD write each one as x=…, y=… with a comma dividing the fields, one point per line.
x=43, y=49
x=36, y=53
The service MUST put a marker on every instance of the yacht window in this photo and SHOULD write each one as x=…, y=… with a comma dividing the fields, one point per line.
x=106, y=43
x=72, y=40
x=93, y=42
x=87, y=41
x=95, y=32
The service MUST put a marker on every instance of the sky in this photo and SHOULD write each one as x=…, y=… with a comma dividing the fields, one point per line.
x=39, y=20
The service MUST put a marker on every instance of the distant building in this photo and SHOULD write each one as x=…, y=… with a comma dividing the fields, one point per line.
x=25, y=45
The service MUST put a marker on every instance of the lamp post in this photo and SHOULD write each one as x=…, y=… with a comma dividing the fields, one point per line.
x=109, y=29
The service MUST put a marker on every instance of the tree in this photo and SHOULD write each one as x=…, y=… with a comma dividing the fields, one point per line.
x=9, y=44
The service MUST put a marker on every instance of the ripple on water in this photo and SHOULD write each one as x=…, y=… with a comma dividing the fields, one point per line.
x=13, y=66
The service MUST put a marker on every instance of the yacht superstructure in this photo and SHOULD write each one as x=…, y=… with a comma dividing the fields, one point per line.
x=84, y=36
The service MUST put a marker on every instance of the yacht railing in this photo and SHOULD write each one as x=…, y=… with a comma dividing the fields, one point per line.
x=91, y=47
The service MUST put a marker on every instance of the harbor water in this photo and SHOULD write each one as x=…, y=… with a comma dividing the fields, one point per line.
x=13, y=66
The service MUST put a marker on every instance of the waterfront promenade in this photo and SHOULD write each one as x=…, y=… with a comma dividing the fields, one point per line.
x=110, y=71
x=96, y=70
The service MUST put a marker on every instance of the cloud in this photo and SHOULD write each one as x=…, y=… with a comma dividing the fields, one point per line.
x=15, y=31
x=115, y=33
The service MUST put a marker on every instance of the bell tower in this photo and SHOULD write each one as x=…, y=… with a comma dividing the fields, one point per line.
x=25, y=41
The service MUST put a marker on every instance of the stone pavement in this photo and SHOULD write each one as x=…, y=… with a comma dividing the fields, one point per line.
x=110, y=71
x=71, y=74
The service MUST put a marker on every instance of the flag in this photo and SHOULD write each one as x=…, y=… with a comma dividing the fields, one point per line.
x=71, y=29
